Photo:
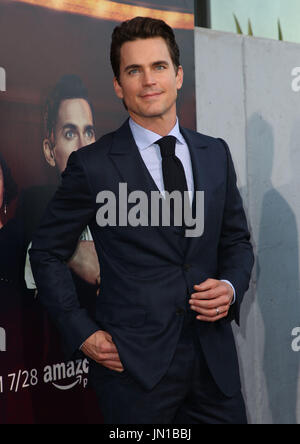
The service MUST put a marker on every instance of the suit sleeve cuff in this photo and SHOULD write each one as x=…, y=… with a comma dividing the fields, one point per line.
x=228, y=282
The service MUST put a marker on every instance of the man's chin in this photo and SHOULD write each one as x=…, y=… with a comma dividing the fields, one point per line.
x=153, y=112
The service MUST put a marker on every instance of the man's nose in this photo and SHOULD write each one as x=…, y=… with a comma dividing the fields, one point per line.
x=82, y=140
x=148, y=78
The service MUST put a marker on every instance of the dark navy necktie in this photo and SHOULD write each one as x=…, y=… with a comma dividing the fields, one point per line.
x=173, y=171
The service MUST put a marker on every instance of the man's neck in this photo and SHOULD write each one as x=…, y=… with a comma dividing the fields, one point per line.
x=158, y=125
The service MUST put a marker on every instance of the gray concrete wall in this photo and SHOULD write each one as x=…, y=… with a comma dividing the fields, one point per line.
x=246, y=94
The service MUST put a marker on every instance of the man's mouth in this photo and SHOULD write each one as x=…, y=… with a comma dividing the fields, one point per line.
x=151, y=95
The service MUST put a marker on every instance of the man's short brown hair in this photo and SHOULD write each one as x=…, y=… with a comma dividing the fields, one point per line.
x=141, y=28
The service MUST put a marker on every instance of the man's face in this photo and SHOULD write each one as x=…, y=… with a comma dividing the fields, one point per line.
x=148, y=81
x=1, y=187
x=74, y=129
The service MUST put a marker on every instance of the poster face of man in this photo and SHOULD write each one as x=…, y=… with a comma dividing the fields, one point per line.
x=74, y=129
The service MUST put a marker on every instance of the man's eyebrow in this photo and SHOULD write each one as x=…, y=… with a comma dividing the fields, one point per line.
x=69, y=126
x=75, y=127
x=92, y=127
x=160, y=62
x=127, y=68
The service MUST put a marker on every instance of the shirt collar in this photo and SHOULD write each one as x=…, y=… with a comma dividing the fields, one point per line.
x=145, y=138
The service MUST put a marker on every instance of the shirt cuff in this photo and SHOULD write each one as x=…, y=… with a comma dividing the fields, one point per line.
x=233, y=300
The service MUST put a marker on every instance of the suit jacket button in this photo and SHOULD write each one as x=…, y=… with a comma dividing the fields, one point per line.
x=186, y=267
x=180, y=311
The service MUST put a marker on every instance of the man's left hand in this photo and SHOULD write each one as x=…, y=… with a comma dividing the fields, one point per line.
x=211, y=300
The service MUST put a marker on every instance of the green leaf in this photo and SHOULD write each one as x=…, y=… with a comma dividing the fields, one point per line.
x=238, y=27
x=250, y=31
x=280, y=35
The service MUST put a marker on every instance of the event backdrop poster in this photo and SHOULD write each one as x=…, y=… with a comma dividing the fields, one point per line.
x=48, y=50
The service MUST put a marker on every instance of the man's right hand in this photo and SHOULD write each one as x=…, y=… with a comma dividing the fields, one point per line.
x=101, y=348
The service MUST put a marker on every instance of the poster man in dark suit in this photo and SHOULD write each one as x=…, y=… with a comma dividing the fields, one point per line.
x=161, y=347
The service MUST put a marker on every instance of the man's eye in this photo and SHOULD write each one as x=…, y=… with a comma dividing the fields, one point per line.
x=160, y=67
x=133, y=71
x=69, y=134
x=90, y=134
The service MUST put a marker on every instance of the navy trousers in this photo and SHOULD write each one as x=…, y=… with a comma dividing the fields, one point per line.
x=187, y=394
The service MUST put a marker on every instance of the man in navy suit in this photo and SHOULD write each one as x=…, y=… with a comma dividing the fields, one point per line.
x=161, y=346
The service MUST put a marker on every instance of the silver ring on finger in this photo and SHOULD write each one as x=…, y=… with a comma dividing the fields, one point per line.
x=217, y=311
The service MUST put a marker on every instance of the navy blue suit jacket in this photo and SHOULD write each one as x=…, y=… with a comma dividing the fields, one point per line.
x=147, y=273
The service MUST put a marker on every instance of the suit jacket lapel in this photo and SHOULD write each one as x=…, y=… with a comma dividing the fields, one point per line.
x=128, y=161
x=199, y=159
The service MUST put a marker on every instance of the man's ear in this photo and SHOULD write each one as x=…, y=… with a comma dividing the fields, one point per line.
x=48, y=152
x=118, y=88
x=179, y=77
